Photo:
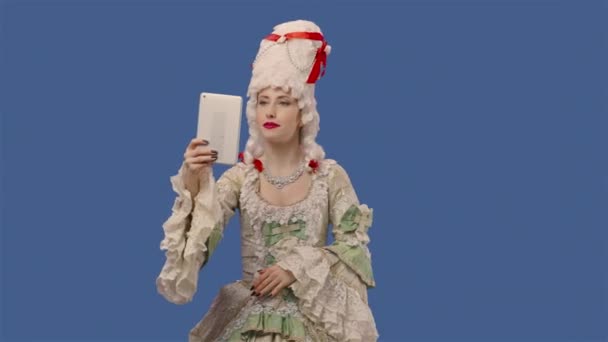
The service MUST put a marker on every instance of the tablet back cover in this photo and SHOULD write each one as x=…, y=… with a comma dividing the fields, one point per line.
x=219, y=122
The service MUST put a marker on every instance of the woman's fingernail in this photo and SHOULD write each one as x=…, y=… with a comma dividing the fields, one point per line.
x=251, y=287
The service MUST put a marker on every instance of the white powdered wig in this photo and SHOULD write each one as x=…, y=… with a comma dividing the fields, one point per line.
x=286, y=64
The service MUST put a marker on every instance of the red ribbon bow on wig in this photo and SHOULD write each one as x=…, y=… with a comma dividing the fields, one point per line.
x=320, y=57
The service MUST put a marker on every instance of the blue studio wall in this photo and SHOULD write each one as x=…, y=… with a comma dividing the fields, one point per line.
x=475, y=129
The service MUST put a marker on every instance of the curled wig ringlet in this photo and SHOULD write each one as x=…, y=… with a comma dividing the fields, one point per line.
x=286, y=64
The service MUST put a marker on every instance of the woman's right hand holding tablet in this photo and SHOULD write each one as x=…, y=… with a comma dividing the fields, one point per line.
x=198, y=158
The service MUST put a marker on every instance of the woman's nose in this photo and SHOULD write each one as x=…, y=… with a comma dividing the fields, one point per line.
x=270, y=113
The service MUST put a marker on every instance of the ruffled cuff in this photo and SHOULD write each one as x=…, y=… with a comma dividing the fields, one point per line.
x=290, y=328
x=327, y=300
x=187, y=233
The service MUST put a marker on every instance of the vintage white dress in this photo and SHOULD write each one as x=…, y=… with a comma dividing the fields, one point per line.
x=328, y=300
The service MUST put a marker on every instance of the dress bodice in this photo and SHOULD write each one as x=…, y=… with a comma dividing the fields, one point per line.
x=264, y=225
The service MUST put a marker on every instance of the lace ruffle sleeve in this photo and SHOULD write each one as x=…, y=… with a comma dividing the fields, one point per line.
x=194, y=229
x=331, y=281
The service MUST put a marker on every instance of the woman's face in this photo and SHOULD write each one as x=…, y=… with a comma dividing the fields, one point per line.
x=278, y=116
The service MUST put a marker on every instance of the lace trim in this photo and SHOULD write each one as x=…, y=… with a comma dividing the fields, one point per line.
x=259, y=211
x=288, y=309
x=327, y=300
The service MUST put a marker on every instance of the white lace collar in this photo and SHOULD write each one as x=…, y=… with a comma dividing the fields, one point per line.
x=260, y=210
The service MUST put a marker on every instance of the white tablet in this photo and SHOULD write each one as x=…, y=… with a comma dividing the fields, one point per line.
x=219, y=122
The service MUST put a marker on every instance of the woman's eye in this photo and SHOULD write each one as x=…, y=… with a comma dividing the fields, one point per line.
x=262, y=102
x=285, y=103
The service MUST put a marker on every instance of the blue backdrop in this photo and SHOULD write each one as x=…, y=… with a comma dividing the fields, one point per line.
x=475, y=129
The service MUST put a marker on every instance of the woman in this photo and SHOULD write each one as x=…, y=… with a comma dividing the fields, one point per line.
x=295, y=287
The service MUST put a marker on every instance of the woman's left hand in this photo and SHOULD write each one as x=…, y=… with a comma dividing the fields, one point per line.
x=272, y=280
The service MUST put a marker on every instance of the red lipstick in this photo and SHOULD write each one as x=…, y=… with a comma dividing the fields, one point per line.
x=270, y=125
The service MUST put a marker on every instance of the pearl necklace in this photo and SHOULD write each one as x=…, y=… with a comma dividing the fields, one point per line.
x=280, y=181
